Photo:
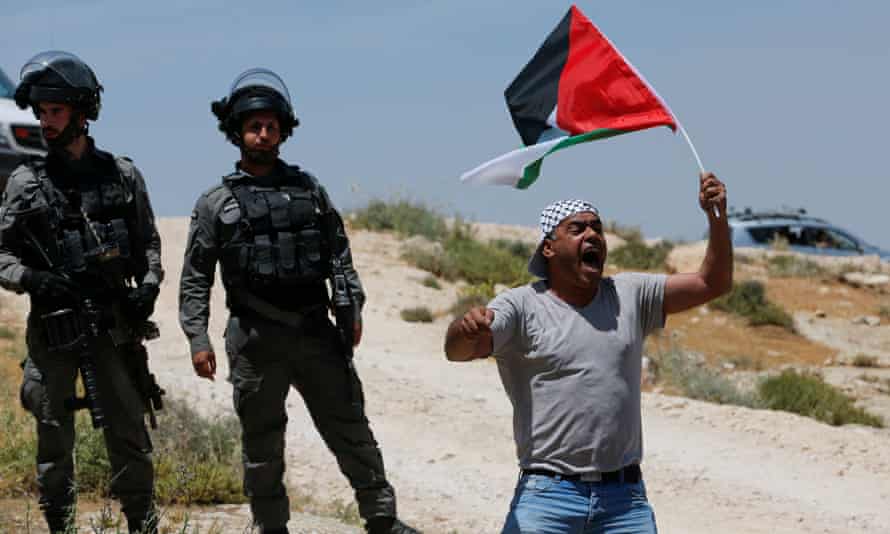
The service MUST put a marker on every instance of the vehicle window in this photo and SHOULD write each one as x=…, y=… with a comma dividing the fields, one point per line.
x=765, y=234
x=7, y=89
x=841, y=240
x=777, y=235
x=821, y=237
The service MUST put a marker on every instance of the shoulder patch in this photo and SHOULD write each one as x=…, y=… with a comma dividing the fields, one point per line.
x=231, y=212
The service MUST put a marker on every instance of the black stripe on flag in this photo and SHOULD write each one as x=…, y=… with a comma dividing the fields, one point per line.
x=532, y=96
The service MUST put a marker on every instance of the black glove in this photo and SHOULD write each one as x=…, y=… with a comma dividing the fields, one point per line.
x=141, y=301
x=44, y=284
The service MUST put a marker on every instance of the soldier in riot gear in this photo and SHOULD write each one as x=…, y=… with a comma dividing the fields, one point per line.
x=278, y=240
x=77, y=233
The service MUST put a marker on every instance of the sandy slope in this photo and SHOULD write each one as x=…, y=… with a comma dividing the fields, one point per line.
x=445, y=429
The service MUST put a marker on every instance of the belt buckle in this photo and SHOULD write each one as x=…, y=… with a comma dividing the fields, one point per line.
x=594, y=476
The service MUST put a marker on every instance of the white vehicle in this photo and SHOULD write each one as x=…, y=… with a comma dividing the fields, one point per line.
x=19, y=132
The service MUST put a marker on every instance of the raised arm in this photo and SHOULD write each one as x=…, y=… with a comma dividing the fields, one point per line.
x=714, y=278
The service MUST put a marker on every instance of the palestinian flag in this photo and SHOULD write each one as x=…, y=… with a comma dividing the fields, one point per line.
x=577, y=88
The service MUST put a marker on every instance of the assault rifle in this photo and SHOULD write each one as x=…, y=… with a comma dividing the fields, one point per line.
x=80, y=327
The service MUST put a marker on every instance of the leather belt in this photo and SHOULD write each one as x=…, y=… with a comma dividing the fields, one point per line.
x=630, y=474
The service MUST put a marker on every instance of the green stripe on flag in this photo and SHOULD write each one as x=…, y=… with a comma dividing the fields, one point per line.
x=533, y=170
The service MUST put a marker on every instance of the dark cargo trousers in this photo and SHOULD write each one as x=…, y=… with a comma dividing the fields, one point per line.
x=49, y=380
x=265, y=360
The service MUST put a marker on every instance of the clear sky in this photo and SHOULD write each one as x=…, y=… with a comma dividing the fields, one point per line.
x=785, y=100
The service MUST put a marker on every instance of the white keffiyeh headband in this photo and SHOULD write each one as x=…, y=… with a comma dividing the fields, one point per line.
x=550, y=218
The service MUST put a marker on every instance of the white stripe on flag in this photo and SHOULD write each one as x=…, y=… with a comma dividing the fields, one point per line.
x=551, y=119
x=508, y=169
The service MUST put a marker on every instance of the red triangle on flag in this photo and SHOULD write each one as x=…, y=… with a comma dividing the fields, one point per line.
x=599, y=88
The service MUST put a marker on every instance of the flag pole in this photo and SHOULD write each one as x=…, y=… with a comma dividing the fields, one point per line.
x=697, y=159
x=691, y=147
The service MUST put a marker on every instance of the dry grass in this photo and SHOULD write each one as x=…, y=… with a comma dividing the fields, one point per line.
x=720, y=337
x=837, y=299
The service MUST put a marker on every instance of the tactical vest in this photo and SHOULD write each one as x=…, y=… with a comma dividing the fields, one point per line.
x=275, y=235
x=97, y=238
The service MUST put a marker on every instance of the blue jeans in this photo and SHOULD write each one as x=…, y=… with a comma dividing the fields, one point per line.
x=551, y=505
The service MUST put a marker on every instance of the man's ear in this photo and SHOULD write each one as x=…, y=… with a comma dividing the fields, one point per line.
x=547, y=249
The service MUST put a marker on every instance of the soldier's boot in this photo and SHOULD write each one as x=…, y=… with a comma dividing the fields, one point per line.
x=59, y=519
x=57, y=524
x=142, y=527
x=388, y=525
x=143, y=523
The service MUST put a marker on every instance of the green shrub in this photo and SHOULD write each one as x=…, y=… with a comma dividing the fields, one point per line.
x=520, y=249
x=471, y=297
x=417, y=315
x=464, y=257
x=748, y=299
x=627, y=233
x=864, y=360
x=884, y=311
x=403, y=217
x=635, y=254
x=197, y=461
x=809, y=395
x=477, y=262
x=431, y=282
x=788, y=265
x=697, y=381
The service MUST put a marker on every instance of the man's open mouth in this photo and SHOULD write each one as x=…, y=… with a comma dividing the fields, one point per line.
x=591, y=257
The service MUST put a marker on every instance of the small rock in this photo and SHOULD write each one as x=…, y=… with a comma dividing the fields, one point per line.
x=870, y=320
x=857, y=279
x=820, y=314
x=823, y=290
x=729, y=366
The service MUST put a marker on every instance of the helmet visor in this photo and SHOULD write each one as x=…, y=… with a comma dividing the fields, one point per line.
x=260, y=78
x=66, y=65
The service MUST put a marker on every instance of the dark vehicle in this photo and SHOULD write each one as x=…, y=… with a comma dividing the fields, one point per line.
x=19, y=131
x=799, y=232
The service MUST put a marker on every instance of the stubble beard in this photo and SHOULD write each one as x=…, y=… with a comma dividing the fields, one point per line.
x=260, y=157
x=67, y=136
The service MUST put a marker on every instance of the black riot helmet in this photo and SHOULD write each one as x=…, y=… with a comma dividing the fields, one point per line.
x=56, y=76
x=254, y=90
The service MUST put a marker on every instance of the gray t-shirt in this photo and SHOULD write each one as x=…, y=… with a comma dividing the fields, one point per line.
x=573, y=374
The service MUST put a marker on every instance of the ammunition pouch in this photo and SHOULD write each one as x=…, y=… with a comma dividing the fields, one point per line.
x=65, y=329
x=277, y=233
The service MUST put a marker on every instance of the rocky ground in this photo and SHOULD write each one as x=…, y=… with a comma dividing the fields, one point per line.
x=445, y=428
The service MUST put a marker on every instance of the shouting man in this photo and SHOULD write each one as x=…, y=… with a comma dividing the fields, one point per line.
x=569, y=350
